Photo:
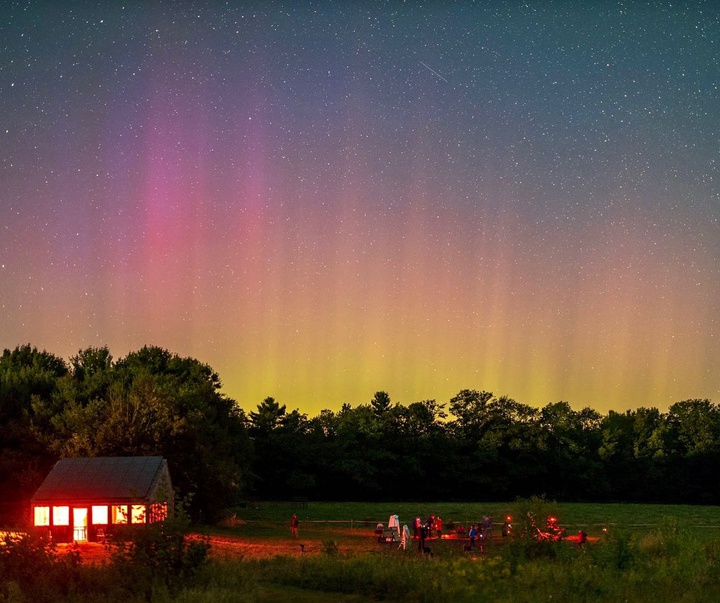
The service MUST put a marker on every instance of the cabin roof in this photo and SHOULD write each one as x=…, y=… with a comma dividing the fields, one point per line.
x=107, y=479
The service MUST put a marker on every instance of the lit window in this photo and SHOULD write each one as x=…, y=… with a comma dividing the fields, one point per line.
x=138, y=514
x=61, y=516
x=119, y=514
x=42, y=516
x=158, y=512
x=100, y=515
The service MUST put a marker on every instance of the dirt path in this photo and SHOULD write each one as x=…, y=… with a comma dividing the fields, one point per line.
x=237, y=546
x=348, y=541
x=232, y=546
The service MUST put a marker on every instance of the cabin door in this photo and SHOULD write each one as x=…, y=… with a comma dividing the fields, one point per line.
x=80, y=523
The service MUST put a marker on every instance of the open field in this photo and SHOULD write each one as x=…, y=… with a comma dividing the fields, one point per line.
x=648, y=553
x=347, y=521
x=261, y=530
x=637, y=553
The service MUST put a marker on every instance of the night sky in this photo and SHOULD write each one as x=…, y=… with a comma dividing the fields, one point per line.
x=323, y=200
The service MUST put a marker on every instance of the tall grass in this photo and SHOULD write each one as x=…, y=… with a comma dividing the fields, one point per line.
x=661, y=562
x=663, y=565
x=645, y=553
x=659, y=566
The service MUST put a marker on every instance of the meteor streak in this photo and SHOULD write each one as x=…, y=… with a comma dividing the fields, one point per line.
x=435, y=72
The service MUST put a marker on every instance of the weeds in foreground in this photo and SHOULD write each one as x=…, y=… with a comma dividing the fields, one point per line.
x=31, y=565
x=663, y=565
x=602, y=572
x=653, y=567
x=159, y=561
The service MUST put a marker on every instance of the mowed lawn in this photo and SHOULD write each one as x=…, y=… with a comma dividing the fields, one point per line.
x=272, y=518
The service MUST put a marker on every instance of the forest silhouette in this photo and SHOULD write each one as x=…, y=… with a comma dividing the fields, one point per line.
x=476, y=446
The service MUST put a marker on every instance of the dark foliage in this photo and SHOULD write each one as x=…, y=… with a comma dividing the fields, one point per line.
x=158, y=555
x=151, y=402
x=156, y=558
x=32, y=566
x=489, y=448
x=481, y=447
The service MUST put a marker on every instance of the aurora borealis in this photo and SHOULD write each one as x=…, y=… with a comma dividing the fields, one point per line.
x=323, y=200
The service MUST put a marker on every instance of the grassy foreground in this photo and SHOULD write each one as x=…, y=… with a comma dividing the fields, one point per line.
x=648, y=553
x=620, y=570
x=643, y=553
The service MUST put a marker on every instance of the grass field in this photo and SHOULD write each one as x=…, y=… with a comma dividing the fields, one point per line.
x=649, y=553
x=271, y=518
x=653, y=553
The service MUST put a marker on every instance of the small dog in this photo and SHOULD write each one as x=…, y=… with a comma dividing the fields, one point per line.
x=427, y=551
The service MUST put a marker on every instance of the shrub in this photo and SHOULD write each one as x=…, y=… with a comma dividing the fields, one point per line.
x=32, y=565
x=616, y=551
x=159, y=555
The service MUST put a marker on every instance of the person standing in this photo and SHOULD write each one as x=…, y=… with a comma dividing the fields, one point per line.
x=421, y=540
x=438, y=526
x=487, y=529
x=429, y=526
x=294, y=525
x=582, y=537
x=473, y=536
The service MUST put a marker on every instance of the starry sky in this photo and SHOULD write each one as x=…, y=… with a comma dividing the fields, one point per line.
x=324, y=200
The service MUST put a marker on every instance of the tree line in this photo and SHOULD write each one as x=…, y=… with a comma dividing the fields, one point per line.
x=474, y=447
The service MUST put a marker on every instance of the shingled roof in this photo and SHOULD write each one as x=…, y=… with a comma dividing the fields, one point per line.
x=106, y=479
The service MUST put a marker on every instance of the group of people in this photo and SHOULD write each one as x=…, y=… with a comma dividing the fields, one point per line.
x=424, y=531
x=478, y=535
x=480, y=531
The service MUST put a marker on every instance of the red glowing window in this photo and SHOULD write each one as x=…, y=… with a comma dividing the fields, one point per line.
x=100, y=515
x=61, y=516
x=138, y=513
x=41, y=516
x=158, y=512
x=119, y=514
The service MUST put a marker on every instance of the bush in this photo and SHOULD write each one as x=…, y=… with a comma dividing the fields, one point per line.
x=159, y=555
x=31, y=565
x=523, y=543
x=616, y=551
